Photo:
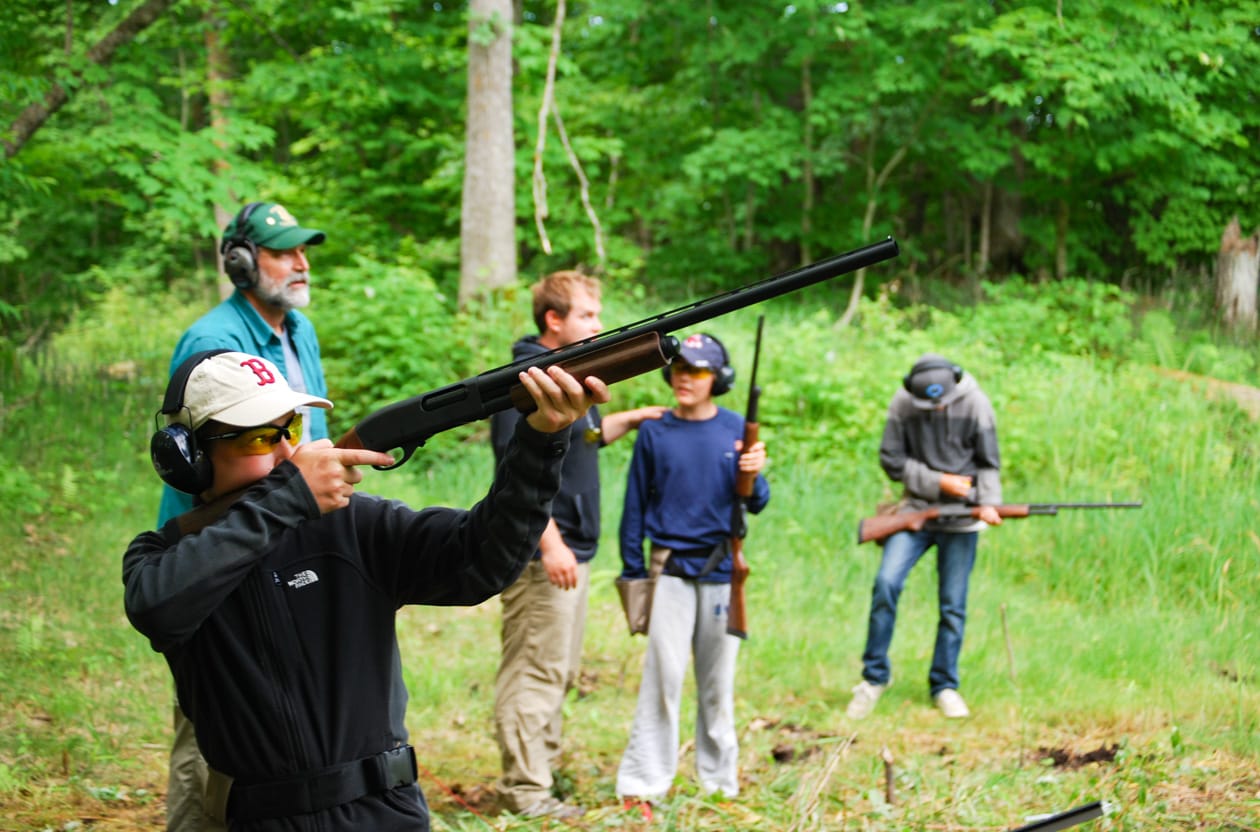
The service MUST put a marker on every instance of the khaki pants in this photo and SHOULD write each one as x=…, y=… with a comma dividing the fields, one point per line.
x=542, y=654
x=196, y=795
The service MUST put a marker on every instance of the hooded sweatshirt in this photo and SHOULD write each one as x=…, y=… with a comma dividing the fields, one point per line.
x=956, y=434
x=576, y=507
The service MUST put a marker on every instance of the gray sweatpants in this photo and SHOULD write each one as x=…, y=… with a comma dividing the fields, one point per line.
x=688, y=618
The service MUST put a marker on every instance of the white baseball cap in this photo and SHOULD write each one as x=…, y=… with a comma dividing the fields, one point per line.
x=240, y=390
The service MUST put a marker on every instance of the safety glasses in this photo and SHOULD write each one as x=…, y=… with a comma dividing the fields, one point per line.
x=688, y=370
x=262, y=439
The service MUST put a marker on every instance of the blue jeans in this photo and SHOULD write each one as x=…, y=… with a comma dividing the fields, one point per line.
x=955, y=555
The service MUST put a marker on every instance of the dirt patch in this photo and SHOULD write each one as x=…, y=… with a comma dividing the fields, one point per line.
x=1067, y=758
x=1246, y=396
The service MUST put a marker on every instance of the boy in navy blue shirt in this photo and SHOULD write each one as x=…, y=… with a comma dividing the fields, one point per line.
x=680, y=493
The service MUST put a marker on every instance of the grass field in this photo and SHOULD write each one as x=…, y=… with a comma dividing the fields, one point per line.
x=1109, y=656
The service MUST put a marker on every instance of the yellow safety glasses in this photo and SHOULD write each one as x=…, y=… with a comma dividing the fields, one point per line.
x=262, y=439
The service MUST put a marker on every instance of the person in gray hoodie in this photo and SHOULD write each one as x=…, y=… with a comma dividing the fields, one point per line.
x=940, y=442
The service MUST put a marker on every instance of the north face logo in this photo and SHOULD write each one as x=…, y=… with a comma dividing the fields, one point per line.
x=304, y=578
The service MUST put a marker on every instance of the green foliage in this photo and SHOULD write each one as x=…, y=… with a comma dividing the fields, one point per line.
x=387, y=332
x=1074, y=317
x=716, y=142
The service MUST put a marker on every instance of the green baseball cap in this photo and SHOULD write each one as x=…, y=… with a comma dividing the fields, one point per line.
x=271, y=226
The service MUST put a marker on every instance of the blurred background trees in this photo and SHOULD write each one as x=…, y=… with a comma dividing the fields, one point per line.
x=720, y=141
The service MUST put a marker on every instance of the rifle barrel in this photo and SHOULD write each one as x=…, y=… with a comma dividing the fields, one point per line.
x=1068, y=819
x=1053, y=508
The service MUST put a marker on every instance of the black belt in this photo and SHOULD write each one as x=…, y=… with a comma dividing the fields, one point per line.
x=323, y=789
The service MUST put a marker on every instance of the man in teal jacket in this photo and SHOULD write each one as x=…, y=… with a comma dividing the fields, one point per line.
x=264, y=255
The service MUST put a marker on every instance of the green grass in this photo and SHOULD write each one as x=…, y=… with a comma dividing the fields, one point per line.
x=1125, y=637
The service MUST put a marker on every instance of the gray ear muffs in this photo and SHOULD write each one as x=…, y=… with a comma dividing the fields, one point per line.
x=173, y=448
x=723, y=377
x=240, y=254
x=924, y=366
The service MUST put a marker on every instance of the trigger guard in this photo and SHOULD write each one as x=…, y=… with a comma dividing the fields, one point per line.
x=406, y=455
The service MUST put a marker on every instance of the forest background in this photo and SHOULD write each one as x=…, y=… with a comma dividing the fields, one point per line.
x=1059, y=176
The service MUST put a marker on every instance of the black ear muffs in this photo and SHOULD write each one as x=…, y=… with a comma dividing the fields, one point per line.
x=240, y=254
x=723, y=377
x=930, y=364
x=173, y=448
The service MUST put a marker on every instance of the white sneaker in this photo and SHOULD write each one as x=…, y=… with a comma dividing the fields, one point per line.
x=865, y=695
x=550, y=807
x=951, y=704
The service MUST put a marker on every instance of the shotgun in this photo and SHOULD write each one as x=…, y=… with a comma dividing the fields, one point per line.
x=611, y=356
x=1068, y=819
x=885, y=525
x=737, y=617
x=403, y=427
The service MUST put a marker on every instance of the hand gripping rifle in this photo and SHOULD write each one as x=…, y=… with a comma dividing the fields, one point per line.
x=611, y=356
x=885, y=525
x=737, y=617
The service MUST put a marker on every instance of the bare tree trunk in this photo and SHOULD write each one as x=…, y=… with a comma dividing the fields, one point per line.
x=986, y=230
x=218, y=69
x=1060, y=240
x=965, y=213
x=541, y=211
x=33, y=117
x=488, y=217
x=1237, y=274
x=874, y=182
x=807, y=167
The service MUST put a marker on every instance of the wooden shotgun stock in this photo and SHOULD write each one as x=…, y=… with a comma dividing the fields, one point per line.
x=886, y=525
x=737, y=616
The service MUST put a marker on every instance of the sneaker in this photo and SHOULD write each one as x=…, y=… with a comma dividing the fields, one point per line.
x=951, y=704
x=643, y=808
x=550, y=807
x=865, y=695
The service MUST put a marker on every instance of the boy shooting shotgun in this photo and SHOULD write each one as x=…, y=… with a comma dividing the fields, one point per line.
x=883, y=526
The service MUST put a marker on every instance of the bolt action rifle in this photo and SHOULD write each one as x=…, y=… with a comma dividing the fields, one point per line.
x=885, y=525
x=403, y=427
x=737, y=617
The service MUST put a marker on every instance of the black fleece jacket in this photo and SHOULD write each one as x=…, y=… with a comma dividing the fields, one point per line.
x=278, y=623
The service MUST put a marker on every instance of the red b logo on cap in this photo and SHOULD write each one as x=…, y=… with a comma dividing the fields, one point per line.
x=265, y=376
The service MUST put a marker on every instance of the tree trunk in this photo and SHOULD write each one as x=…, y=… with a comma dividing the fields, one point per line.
x=807, y=162
x=874, y=184
x=1060, y=240
x=217, y=73
x=986, y=231
x=1237, y=273
x=33, y=117
x=488, y=217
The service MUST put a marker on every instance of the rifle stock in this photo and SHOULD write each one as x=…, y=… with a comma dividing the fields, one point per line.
x=403, y=427
x=883, y=526
x=737, y=616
